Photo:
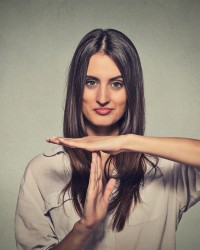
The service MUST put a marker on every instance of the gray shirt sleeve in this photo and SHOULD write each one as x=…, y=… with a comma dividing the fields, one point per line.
x=187, y=183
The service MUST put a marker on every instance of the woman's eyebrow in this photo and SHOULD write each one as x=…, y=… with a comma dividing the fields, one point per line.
x=111, y=79
x=115, y=78
x=92, y=77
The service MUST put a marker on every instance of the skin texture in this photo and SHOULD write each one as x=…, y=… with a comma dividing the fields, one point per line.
x=104, y=89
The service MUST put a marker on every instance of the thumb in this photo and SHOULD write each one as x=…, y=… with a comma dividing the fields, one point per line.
x=109, y=188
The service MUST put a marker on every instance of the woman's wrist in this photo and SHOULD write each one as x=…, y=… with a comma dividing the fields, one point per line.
x=132, y=143
x=81, y=227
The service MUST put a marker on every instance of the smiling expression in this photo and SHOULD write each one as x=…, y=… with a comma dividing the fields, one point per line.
x=104, y=95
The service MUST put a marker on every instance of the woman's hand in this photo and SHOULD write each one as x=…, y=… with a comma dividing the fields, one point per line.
x=182, y=150
x=97, y=197
x=95, y=208
x=108, y=144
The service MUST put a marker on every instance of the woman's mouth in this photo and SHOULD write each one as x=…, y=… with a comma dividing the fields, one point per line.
x=103, y=111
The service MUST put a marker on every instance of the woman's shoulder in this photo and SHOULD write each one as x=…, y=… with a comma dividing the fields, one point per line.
x=49, y=169
x=55, y=160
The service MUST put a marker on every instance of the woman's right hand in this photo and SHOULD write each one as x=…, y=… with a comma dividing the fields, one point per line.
x=97, y=197
x=96, y=205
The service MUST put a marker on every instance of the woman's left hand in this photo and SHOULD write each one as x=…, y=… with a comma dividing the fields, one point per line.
x=108, y=144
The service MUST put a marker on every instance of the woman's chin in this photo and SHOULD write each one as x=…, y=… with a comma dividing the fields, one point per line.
x=102, y=129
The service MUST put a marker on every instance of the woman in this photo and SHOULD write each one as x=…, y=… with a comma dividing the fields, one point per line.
x=107, y=186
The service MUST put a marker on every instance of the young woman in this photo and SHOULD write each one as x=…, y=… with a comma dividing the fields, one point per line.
x=107, y=186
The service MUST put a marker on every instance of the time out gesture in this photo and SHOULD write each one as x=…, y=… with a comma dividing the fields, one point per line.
x=182, y=150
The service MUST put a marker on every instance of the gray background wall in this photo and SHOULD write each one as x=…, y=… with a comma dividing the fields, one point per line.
x=37, y=40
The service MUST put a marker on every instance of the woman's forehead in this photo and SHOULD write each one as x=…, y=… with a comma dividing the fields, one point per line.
x=101, y=65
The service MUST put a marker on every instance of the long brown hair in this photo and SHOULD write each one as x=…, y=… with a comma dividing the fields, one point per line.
x=130, y=166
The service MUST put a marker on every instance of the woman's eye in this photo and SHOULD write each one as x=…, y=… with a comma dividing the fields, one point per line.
x=91, y=83
x=117, y=84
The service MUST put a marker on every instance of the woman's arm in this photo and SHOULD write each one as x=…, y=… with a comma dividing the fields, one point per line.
x=34, y=230
x=76, y=238
x=95, y=208
x=182, y=150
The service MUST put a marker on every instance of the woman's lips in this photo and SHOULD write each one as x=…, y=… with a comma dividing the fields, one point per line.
x=103, y=111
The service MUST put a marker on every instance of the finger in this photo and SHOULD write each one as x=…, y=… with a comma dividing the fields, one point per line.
x=99, y=164
x=72, y=143
x=108, y=190
x=89, y=143
x=69, y=142
x=95, y=162
x=93, y=176
x=53, y=140
x=99, y=172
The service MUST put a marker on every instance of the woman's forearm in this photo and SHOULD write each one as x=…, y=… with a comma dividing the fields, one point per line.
x=95, y=208
x=177, y=149
x=75, y=239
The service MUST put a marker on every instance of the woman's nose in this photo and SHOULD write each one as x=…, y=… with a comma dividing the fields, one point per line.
x=102, y=97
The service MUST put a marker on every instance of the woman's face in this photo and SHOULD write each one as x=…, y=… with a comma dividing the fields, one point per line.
x=104, y=95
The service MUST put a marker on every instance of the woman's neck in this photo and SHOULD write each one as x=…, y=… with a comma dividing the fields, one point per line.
x=102, y=131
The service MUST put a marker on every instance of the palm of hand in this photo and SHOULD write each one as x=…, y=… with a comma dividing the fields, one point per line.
x=97, y=198
x=108, y=144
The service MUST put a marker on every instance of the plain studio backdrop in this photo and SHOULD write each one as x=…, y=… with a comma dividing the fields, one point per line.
x=37, y=41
